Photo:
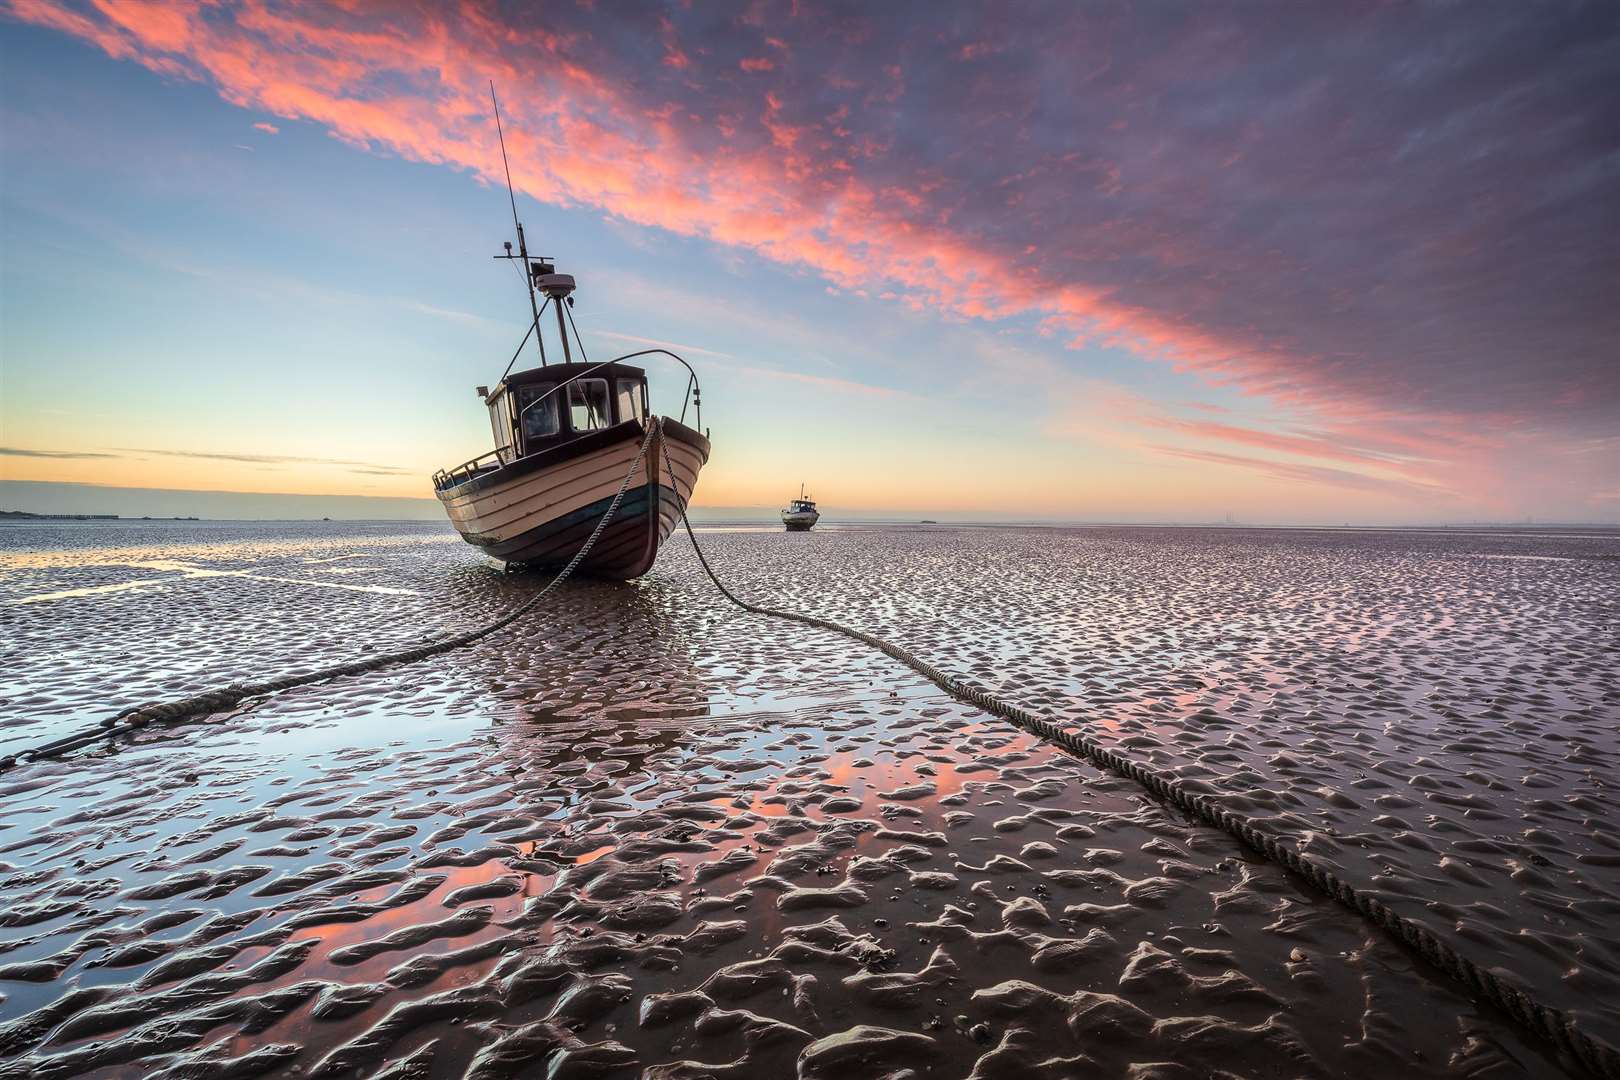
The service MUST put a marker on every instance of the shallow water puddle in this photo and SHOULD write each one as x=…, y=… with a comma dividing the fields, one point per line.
x=187, y=573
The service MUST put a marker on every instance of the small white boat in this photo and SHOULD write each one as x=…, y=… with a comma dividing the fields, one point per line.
x=800, y=514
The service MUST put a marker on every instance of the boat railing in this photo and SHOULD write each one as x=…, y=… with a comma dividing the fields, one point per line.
x=446, y=478
x=694, y=392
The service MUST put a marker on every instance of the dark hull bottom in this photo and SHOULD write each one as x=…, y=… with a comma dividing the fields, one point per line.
x=799, y=528
x=626, y=548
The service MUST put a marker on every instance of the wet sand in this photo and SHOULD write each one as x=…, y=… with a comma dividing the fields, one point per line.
x=652, y=834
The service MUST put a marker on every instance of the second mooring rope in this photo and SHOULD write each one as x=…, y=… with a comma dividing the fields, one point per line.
x=1549, y=1023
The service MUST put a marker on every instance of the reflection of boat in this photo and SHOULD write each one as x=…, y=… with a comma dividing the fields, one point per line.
x=565, y=437
x=801, y=513
x=626, y=665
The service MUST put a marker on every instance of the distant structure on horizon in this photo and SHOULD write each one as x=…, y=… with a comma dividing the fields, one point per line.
x=24, y=515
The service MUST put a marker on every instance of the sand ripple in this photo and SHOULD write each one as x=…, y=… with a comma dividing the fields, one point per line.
x=653, y=835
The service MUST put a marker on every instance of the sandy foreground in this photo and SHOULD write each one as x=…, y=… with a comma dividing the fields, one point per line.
x=647, y=832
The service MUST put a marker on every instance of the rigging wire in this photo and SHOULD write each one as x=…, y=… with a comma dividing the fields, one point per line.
x=523, y=247
x=589, y=404
x=534, y=326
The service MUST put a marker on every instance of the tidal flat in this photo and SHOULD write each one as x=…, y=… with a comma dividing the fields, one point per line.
x=646, y=833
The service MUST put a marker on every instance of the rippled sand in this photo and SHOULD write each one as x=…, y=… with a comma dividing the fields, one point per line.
x=651, y=834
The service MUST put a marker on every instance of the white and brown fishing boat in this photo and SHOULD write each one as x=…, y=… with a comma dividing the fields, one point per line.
x=565, y=437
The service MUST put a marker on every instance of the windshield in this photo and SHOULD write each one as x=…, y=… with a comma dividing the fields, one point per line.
x=630, y=407
x=538, y=412
x=588, y=404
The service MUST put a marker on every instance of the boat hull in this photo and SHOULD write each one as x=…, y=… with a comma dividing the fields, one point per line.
x=800, y=522
x=540, y=510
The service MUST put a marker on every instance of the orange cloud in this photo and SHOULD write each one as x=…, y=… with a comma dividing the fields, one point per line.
x=779, y=154
x=575, y=139
x=1310, y=474
x=1317, y=446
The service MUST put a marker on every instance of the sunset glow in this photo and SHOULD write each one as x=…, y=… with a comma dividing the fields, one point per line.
x=1059, y=265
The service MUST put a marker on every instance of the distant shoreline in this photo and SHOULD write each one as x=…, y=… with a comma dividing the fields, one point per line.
x=1568, y=529
x=25, y=515
x=71, y=501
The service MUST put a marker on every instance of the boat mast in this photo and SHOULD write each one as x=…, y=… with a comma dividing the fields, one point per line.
x=562, y=331
x=523, y=247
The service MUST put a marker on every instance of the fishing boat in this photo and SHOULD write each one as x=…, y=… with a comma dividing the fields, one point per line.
x=800, y=514
x=565, y=437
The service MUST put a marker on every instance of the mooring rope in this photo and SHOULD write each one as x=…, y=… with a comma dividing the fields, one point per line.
x=1549, y=1023
x=225, y=697
x=1554, y=1025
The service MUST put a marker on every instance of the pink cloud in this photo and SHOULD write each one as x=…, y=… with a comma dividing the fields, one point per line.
x=1305, y=445
x=268, y=129
x=1311, y=474
x=578, y=140
x=1140, y=186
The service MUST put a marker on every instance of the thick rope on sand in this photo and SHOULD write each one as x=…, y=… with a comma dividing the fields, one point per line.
x=226, y=697
x=1549, y=1023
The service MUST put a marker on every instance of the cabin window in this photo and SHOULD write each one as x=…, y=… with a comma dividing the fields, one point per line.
x=631, y=401
x=588, y=404
x=501, y=424
x=537, y=409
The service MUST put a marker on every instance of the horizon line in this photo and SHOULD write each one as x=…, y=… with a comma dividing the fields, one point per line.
x=129, y=504
x=1020, y=523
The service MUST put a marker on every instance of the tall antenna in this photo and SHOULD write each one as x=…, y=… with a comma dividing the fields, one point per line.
x=523, y=247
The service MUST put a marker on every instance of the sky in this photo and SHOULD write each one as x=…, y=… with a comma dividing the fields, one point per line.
x=1127, y=262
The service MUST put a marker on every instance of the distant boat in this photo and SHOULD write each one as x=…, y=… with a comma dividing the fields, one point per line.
x=800, y=514
x=565, y=437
